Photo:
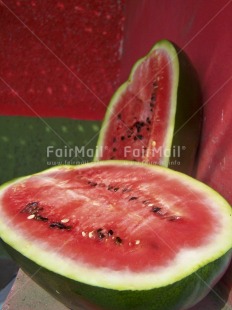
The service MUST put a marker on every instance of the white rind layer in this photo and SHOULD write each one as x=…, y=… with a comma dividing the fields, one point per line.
x=187, y=261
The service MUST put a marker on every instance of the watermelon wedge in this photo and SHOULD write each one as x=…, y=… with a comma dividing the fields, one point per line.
x=155, y=116
x=117, y=235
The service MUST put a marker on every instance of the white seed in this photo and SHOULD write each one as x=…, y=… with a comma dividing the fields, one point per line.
x=91, y=234
x=83, y=233
x=65, y=221
x=153, y=143
x=57, y=292
x=30, y=217
x=137, y=242
x=129, y=243
x=150, y=204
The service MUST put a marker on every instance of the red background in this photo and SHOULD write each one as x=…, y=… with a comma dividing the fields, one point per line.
x=59, y=58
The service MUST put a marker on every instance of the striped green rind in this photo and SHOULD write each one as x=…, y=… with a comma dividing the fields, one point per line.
x=185, y=115
x=76, y=295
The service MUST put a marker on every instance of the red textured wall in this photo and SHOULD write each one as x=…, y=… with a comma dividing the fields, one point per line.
x=59, y=58
x=203, y=29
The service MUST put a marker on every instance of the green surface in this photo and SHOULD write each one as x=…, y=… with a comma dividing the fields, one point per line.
x=24, y=142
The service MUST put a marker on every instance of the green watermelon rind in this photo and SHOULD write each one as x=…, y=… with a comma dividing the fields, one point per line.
x=184, y=113
x=74, y=294
x=94, y=286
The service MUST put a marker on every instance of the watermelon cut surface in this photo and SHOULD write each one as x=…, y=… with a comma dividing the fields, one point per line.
x=117, y=235
x=155, y=116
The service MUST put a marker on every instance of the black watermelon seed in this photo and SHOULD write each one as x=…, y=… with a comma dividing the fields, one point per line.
x=146, y=202
x=59, y=225
x=133, y=198
x=112, y=157
x=100, y=234
x=152, y=99
x=110, y=188
x=110, y=232
x=41, y=218
x=125, y=190
x=32, y=208
x=138, y=126
x=119, y=116
x=140, y=137
x=135, y=138
x=148, y=120
x=155, y=209
x=148, y=128
x=116, y=189
x=92, y=183
x=114, y=149
x=122, y=138
x=155, y=85
x=118, y=240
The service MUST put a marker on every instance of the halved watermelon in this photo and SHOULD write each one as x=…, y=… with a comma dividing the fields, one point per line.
x=155, y=116
x=117, y=235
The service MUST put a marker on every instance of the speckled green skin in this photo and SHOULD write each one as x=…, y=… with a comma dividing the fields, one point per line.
x=77, y=296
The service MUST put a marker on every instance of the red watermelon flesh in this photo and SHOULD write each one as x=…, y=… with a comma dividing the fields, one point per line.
x=106, y=216
x=140, y=119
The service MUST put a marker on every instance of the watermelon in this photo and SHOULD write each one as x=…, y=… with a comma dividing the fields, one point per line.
x=155, y=116
x=117, y=235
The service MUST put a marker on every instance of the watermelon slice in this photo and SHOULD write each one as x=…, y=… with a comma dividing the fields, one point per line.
x=117, y=235
x=155, y=116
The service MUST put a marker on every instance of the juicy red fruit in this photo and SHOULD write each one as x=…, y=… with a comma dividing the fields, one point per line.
x=107, y=217
x=139, y=122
